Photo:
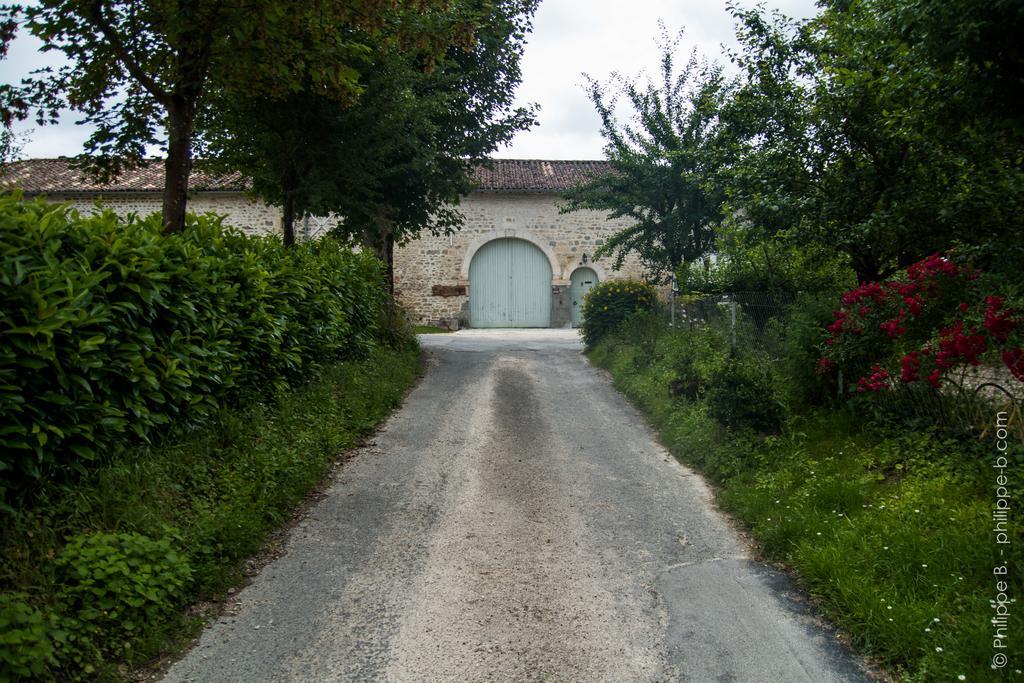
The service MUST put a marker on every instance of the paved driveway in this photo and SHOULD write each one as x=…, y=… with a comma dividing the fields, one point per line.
x=516, y=520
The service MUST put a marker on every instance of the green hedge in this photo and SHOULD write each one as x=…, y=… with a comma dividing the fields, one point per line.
x=610, y=303
x=110, y=332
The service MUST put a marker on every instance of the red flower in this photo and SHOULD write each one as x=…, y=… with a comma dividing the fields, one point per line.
x=932, y=266
x=876, y=382
x=910, y=367
x=868, y=290
x=824, y=365
x=907, y=288
x=999, y=324
x=892, y=328
x=1014, y=361
x=954, y=344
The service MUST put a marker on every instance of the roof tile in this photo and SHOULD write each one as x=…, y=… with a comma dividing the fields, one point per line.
x=52, y=176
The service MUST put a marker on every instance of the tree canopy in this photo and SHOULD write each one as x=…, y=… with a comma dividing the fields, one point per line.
x=879, y=130
x=664, y=162
x=880, y=127
x=140, y=71
x=398, y=160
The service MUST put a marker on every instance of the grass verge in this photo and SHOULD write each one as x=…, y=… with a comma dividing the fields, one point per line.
x=430, y=329
x=188, y=512
x=891, y=532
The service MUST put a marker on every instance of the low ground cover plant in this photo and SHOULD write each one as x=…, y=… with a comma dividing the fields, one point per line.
x=80, y=601
x=889, y=528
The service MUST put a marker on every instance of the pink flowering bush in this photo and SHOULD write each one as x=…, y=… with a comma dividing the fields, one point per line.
x=938, y=316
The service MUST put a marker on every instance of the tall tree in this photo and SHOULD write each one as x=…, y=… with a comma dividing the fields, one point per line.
x=398, y=160
x=460, y=112
x=665, y=163
x=138, y=66
x=767, y=126
x=879, y=129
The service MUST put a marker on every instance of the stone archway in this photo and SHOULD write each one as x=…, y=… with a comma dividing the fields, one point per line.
x=476, y=244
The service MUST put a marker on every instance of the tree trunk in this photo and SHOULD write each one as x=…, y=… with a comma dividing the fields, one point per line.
x=181, y=119
x=769, y=275
x=288, y=220
x=386, y=253
x=382, y=243
x=290, y=187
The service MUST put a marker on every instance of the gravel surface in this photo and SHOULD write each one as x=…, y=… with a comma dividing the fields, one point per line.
x=516, y=520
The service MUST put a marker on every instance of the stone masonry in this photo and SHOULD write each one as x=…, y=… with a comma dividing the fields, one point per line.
x=248, y=215
x=566, y=239
x=517, y=198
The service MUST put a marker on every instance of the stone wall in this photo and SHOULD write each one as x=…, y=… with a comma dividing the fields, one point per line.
x=249, y=215
x=568, y=240
x=432, y=273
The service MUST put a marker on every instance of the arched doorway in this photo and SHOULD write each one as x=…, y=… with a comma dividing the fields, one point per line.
x=509, y=285
x=581, y=282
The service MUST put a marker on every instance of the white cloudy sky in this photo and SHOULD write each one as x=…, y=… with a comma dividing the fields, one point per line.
x=570, y=37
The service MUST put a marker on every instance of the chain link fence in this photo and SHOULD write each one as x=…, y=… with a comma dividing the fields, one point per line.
x=972, y=399
x=752, y=319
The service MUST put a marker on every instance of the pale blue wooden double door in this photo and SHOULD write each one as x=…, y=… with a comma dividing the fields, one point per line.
x=509, y=285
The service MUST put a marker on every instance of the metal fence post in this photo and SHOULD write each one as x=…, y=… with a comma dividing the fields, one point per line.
x=732, y=311
x=672, y=302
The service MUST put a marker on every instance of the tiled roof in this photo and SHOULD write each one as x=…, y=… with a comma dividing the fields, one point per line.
x=51, y=176
x=538, y=175
x=36, y=176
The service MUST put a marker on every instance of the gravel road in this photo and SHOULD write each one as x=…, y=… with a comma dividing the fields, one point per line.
x=516, y=521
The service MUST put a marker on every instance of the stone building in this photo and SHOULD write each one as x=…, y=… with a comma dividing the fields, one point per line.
x=516, y=262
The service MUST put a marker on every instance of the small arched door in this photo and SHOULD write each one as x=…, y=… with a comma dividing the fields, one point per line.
x=509, y=285
x=581, y=282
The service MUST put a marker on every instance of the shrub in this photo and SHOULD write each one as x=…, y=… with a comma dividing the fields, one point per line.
x=610, y=303
x=939, y=315
x=743, y=264
x=396, y=330
x=800, y=337
x=110, y=332
x=114, y=586
x=692, y=354
x=27, y=639
x=740, y=394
